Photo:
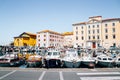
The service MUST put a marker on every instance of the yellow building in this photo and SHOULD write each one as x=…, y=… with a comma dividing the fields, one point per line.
x=25, y=39
x=97, y=32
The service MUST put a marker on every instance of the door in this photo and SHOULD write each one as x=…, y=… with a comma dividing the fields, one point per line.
x=94, y=45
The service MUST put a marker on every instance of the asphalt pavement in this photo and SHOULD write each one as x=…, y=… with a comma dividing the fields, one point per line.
x=59, y=74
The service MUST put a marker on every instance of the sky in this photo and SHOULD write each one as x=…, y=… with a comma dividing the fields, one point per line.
x=18, y=16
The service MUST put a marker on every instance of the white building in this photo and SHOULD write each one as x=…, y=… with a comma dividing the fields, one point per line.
x=68, y=39
x=97, y=32
x=47, y=38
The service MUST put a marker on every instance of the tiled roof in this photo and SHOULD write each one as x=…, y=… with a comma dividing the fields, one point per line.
x=79, y=23
x=104, y=20
x=67, y=33
x=95, y=16
x=49, y=31
x=28, y=33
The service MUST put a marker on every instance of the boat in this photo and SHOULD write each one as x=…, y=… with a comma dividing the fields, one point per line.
x=52, y=59
x=34, y=61
x=117, y=61
x=105, y=61
x=88, y=61
x=71, y=59
x=8, y=60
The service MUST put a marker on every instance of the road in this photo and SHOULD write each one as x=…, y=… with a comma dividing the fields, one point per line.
x=59, y=74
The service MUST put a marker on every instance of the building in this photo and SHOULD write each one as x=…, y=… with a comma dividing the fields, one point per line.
x=68, y=39
x=48, y=38
x=97, y=32
x=25, y=39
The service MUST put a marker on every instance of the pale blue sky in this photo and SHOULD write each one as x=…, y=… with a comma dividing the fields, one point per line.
x=18, y=16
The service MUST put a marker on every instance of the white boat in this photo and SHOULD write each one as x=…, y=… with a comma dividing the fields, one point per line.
x=117, y=61
x=71, y=59
x=34, y=61
x=105, y=61
x=52, y=59
x=88, y=61
x=9, y=60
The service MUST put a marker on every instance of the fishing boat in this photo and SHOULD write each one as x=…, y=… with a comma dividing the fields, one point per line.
x=8, y=60
x=71, y=59
x=105, y=61
x=117, y=61
x=52, y=59
x=34, y=61
x=88, y=61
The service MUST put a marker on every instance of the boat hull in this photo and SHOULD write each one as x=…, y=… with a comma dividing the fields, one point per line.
x=88, y=64
x=105, y=64
x=34, y=64
x=69, y=64
x=53, y=63
x=117, y=64
x=9, y=64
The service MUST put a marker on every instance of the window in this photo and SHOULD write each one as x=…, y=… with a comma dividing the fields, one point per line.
x=93, y=31
x=39, y=44
x=106, y=37
x=105, y=25
x=76, y=43
x=99, y=58
x=76, y=32
x=113, y=24
x=114, y=44
x=44, y=44
x=82, y=38
x=104, y=58
x=44, y=39
x=98, y=37
x=106, y=30
x=113, y=29
x=98, y=45
x=88, y=26
x=97, y=30
x=82, y=32
x=82, y=27
x=89, y=37
x=114, y=36
x=38, y=39
x=109, y=58
x=76, y=37
x=93, y=26
x=89, y=31
x=44, y=35
x=76, y=28
x=93, y=37
x=38, y=36
x=97, y=26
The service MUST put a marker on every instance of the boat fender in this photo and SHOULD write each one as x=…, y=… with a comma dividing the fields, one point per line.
x=96, y=61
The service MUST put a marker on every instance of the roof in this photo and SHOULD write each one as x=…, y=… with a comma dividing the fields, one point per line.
x=28, y=35
x=67, y=33
x=111, y=19
x=104, y=20
x=95, y=16
x=49, y=31
x=79, y=23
